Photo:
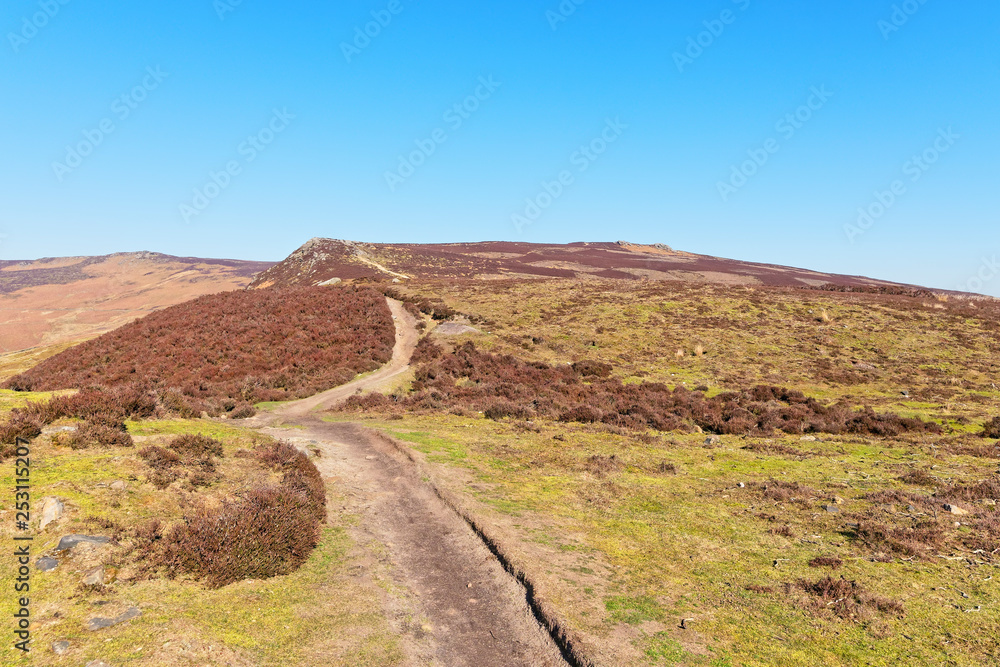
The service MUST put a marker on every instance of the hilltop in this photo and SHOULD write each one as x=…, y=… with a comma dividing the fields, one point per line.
x=321, y=260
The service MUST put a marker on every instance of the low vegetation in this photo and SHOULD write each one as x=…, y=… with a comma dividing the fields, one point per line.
x=221, y=353
x=502, y=386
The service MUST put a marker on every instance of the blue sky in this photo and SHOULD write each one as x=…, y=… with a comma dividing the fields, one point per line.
x=667, y=121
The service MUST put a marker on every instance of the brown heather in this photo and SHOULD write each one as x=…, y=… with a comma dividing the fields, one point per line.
x=502, y=386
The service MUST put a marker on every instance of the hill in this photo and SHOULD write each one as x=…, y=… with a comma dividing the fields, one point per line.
x=321, y=260
x=53, y=301
x=245, y=346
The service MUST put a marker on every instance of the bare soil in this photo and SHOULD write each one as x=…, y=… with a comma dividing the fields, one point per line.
x=455, y=604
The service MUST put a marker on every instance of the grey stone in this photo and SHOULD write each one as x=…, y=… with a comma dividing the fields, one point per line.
x=52, y=510
x=955, y=509
x=713, y=440
x=95, y=576
x=118, y=486
x=832, y=509
x=454, y=329
x=60, y=647
x=98, y=663
x=46, y=564
x=101, y=623
x=70, y=541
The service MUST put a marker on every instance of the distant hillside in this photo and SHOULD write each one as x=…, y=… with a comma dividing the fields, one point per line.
x=322, y=260
x=55, y=300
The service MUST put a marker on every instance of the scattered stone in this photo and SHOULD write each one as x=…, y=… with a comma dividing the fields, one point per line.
x=808, y=438
x=101, y=623
x=52, y=510
x=60, y=647
x=331, y=281
x=69, y=542
x=713, y=440
x=95, y=577
x=911, y=508
x=837, y=500
x=119, y=486
x=46, y=564
x=955, y=509
x=832, y=509
x=905, y=394
x=454, y=329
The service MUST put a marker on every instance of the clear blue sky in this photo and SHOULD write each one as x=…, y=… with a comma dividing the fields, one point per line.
x=683, y=123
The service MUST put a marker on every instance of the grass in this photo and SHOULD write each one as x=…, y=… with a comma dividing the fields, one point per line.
x=319, y=615
x=663, y=547
x=873, y=349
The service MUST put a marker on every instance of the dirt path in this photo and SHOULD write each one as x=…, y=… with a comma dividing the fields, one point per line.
x=458, y=606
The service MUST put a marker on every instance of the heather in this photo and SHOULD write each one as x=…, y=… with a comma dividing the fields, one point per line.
x=222, y=352
x=500, y=386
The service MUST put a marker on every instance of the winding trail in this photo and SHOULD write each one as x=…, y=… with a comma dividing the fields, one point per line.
x=459, y=607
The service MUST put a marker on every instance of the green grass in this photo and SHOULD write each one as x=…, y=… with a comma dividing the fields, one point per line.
x=321, y=614
x=663, y=547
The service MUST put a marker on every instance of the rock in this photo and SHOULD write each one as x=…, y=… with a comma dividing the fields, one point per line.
x=454, y=329
x=60, y=647
x=713, y=440
x=396, y=281
x=837, y=500
x=101, y=623
x=991, y=503
x=955, y=509
x=808, y=438
x=68, y=542
x=911, y=508
x=52, y=510
x=95, y=576
x=46, y=564
x=97, y=663
x=118, y=486
x=742, y=485
x=832, y=509
x=905, y=394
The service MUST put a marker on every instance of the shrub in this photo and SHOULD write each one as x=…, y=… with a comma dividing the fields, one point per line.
x=501, y=408
x=832, y=562
x=593, y=368
x=196, y=447
x=102, y=431
x=992, y=428
x=158, y=458
x=268, y=531
x=848, y=599
x=20, y=426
